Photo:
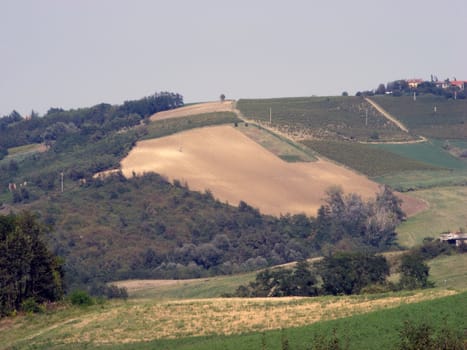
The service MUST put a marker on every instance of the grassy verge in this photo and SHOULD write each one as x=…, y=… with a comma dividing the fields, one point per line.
x=284, y=149
x=167, y=127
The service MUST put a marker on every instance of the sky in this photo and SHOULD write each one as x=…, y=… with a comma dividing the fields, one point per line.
x=78, y=53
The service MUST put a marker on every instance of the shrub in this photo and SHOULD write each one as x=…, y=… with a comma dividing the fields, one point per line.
x=30, y=305
x=81, y=298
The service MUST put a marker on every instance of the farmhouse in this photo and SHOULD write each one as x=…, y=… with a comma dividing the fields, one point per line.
x=456, y=238
x=461, y=84
x=413, y=83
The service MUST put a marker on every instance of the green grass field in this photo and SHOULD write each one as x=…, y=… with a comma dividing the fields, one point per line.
x=323, y=117
x=427, y=152
x=449, y=271
x=446, y=212
x=417, y=180
x=366, y=158
x=449, y=121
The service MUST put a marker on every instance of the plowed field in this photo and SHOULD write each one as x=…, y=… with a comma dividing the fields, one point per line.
x=234, y=168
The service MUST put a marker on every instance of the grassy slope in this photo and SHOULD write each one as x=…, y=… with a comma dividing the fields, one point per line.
x=143, y=320
x=212, y=287
x=446, y=212
x=449, y=271
x=366, y=158
x=323, y=117
x=376, y=330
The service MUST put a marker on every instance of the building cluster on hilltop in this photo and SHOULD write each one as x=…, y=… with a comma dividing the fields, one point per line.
x=449, y=88
x=443, y=84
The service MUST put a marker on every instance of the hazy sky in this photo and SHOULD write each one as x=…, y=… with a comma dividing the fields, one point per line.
x=63, y=53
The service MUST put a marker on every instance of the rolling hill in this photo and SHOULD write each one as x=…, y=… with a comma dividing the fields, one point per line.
x=199, y=216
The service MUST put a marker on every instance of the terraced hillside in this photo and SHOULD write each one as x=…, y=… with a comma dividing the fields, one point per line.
x=429, y=115
x=335, y=118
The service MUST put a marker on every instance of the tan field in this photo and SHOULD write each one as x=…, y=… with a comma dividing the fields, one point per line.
x=235, y=168
x=207, y=107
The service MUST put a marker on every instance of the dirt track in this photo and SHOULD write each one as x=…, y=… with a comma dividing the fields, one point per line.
x=236, y=168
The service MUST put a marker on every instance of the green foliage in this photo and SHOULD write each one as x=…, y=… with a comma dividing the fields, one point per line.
x=336, y=118
x=349, y=273
x=323, y=342
x=84, y=124
x=424, y=336
x=352, y=222
x=414, y=272
x=30, y=305
x=81, y=298
x=28, y=271
x=145, y=227
x=298, y=281
x=366, y=158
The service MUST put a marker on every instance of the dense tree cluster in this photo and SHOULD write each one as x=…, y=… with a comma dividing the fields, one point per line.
x=341, y=273
x=353, y=222
x=349, y=273
x=28, y=271
x=88, y=124
x=298, y=281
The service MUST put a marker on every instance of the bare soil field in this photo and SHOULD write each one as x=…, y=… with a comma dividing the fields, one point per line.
x=235, y=168
x=202, y=108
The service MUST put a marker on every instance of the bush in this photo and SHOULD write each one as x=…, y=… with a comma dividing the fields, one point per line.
x=81, y=298
x=30, y=305
x=114, y=292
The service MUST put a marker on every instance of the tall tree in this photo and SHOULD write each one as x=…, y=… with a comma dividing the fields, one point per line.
x=27, y=268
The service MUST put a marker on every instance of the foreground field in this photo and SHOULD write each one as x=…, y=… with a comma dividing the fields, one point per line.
x=235, y=168
x=143, y=320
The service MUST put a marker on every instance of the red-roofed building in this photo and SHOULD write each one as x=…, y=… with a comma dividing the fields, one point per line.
x=461, y=84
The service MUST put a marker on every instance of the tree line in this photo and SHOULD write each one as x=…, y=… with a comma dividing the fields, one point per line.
x=342, y=273
x=91, y=123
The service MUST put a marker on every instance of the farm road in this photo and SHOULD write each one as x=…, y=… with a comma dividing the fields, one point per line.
x=387, y=115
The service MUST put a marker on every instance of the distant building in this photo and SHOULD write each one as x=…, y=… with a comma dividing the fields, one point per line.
x=413, y=83
x=461, y=84
x=456, y=238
